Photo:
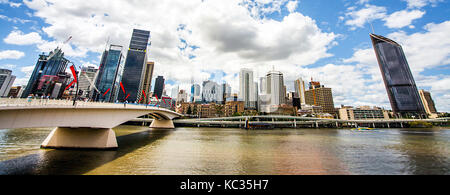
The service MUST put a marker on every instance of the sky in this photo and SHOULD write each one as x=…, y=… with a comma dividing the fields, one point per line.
x=327, y=40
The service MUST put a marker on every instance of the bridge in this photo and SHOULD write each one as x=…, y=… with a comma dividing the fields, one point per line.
x=294, y=121
x=85, y=125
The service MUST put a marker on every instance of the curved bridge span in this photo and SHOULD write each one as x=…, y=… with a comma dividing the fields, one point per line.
x=85, y=125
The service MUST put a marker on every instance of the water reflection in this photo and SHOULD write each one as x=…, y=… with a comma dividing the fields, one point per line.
x=428, y=151
x=75, y=162
x=220, y=151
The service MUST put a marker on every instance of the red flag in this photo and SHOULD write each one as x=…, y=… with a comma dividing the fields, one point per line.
x=123, y=89
x=106, y=91
x=74, y=73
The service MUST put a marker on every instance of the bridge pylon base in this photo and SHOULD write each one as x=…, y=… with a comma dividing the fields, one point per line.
x=81, y=138
x=162, y=124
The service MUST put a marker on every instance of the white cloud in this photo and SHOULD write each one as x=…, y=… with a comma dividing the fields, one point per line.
x=11, y=54
x=12, y=4
x=421, y=3
x=292, y=6
x=358, y=18
x=27, y=70
x=17, y=37
x=403, y=18
x=226, y=33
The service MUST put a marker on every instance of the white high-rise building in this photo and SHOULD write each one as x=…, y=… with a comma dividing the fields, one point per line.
x=247, y=90
x=6, y=81
x=174, y=92
x=212, y=92
x=86, y=80
x=272, y=92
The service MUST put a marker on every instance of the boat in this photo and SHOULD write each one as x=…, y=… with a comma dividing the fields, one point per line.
x=363, y=129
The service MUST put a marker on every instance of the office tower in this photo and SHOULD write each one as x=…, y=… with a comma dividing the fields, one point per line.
x=300, y=89
x=86, y=81
x=135, y=67
x=276, y=88
x=319, y=95
x=182, y=96
x=397, y=76
x=263, y=85
x=147, y=83
x=195, y=93
x=226, y=92
x=6, y=82
x=428, y=102
x=174, y=93
x=110, y=74
x=211, y=92
x=159, y=87
x=247, y=89
x=53, y=64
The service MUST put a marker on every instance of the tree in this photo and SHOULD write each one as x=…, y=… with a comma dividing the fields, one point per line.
x=189, y=110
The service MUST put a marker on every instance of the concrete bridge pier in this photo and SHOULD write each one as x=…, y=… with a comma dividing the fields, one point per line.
x=80, y=138
x=162, y=124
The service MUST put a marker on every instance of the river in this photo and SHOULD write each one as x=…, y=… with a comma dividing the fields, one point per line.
x=216, y=151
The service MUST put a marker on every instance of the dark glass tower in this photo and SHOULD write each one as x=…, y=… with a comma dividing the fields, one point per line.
x=53, y=65
x=110, y=74
x=159, y=86
x=135, y=67
x=399, y=81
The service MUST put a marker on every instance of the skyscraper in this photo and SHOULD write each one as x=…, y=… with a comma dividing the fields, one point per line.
x=211, y=92
x=300, y=90
x=86, y=80
x=110, y=74
x=147, y=83
x=397, y=76
x=195, y=93
x=159, y=86
x=275, y=87
x=135, y=67
x=53, y=64
x=6, y=82
x=247, y=91
x=428, y=102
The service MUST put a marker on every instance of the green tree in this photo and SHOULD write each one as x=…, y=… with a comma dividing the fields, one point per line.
x=189, y=110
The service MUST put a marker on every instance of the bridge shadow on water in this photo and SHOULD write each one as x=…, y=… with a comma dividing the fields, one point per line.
x=77, y=162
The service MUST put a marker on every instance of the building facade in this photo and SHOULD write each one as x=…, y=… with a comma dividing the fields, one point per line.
x=86, y=81
x=15, y=92
x=300, y=90
x=6, y=82
x=159, y=87
x=147, y=87
x=321, y=96
x=397, y=76
x=430, y=107
x=362, y=113
x=247, y=91
x=53, y=64
x=110, y=75
x=135, y=67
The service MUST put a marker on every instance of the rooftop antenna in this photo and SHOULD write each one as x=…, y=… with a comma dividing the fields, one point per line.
x=373, y=31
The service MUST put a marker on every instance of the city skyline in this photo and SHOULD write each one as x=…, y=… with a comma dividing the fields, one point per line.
x=357, y=67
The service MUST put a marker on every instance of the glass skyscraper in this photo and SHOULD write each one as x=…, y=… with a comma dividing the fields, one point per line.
x=399, y=81
x=110, y=74
x=135, y=67
x=53, y=65
x=159, y=87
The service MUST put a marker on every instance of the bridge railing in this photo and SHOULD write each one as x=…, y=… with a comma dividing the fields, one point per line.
x=38, y=102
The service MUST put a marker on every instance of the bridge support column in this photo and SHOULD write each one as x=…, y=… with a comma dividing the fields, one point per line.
x=81, y=138
x=162, y=124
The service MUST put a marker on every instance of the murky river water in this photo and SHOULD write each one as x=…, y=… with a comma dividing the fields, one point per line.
x=235, y=151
